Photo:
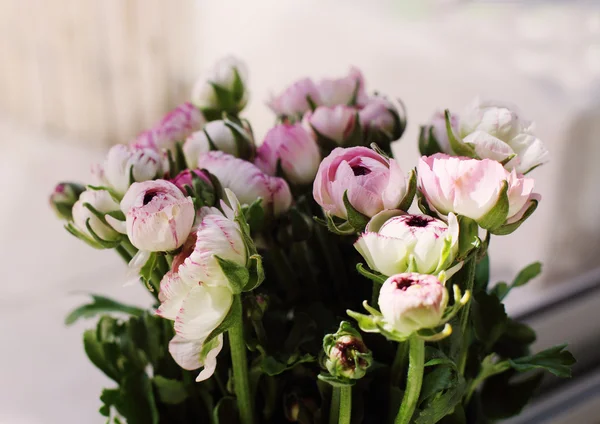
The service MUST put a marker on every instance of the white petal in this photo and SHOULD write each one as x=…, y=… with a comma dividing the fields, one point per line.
x=383, y=254
x=203, y=309
x=118, y=225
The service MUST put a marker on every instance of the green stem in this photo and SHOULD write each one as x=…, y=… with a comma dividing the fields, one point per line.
x=239, y=361
x=123, y=254
x=375, y=294
x=484, y=374
x=334, y=409
x=399, y=363
x=414, y=380
x=465, y=311
x=345, y=404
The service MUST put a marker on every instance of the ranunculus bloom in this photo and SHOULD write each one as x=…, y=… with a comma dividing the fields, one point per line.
x=197, y=310
x=372, y=181
x=64, y=197
x=102, y=201
x=294, y=148
x=184, y=178
x=411, y=301
x=378, y=115
x=343, y=91
x=216, y=236
x=222, y=137
x=335, y=123
x=471, y=187
x=175, y=127
x=395, y=245
x=124, y=162
x=293, y=101
x=346, y=354
x=248, y=182
x=497, y=132
x=230, y=75
x=159, y=216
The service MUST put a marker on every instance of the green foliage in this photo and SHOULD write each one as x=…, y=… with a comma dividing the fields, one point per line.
x=170, y=391
x=556, y=360
x=99, y=305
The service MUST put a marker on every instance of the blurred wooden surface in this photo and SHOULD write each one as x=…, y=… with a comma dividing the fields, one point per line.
x=99, y=71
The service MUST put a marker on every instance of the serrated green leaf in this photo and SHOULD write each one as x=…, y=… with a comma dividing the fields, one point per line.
x=170, y=391
x=555, y=360
x=500, y=290
x=101, y=304
x=441, y=405
x=237, y=275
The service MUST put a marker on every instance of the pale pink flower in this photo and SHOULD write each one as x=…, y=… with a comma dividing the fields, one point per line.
x=378, y=115
x=343, y=91
x=372, y=181
x=248, y=182
x=335, y=123
x=293, y=101
x=159, y=216
x=294, y=149
x=411, y=301
x=472, y=187
x=184, y=178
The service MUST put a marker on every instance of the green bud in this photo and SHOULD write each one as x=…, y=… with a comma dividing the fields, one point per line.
x=63, y=198
x=347, y=356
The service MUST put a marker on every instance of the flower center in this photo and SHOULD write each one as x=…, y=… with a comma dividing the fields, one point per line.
x=404, y=283
x=418, y=221
x=149, y=196
x=360, y=170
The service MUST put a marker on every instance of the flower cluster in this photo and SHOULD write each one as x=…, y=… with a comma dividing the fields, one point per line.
x=257, y=249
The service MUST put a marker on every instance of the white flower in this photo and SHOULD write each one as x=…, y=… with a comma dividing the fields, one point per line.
x=159, y=216
x=498, y=132
x=101, y=201
x=394, y=243
x=124, y=162
x=230, y=76
x=410, y=302
x=220, y=134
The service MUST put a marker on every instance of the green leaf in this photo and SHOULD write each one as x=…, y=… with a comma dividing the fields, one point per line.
x=273, y=366
x=410, y=191
x=435, y=356
x=170, y=391
x=95, y=352
x=237, y=89
x=255, y=215
x=109, y=398
x=555, y=360
x=496, y=217
x=237, y=275
x=355, y=218
x=374, y=276
x=148, y=268
x=489, y=318
x=256, y=273
x=527, y=274
x=482, y=274
x=500, y=290
x=101, y=304
x=439, y=379
x=442, y=404
x=137, y=399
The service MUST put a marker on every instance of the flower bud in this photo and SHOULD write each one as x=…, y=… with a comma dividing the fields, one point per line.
x=174, y=128
x=218, y=135
x=186, y=178
x=216, y=236
x=373, y=183
x=159, y=216
x=83, y=214
x=411, y=301
x=349, y=90
x=222, y=89
x=248, y=182
x=418, y=243
x=296, y=100
x=346, y=355
x=434, y=136
x=478, y=189
x=292, y=148
x=128, y=164
x=64, y=197
x=381, y=122
x=333, y=125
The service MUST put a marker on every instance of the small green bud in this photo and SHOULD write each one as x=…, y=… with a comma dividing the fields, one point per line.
x=347, y=356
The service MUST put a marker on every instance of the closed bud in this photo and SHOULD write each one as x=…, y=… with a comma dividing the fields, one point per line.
x=89, y=216
x=346, y=355
x=125, y=165
x=64, y=197
x=410, y=302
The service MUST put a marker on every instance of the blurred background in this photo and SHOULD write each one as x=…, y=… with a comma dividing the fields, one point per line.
x=80, y=75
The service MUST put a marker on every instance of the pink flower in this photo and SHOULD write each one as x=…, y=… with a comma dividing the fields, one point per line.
x=372, y=181
x=472, y=188
x=159, y=216
x=378, y=116
x=411, y=301
x=185, y=178
x=335, y=123
x=343, y=91
x=292, y=147
x=175, y=127
x=294, y=100
x=248, y=182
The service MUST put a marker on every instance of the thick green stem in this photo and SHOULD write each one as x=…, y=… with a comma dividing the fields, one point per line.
x=345, y=405
x=239, y=361
x=334, y=409
x=464, y=313
x=414, y=380
x=399, y=364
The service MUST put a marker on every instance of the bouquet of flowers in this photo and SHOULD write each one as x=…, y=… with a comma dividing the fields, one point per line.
x=298, y=279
